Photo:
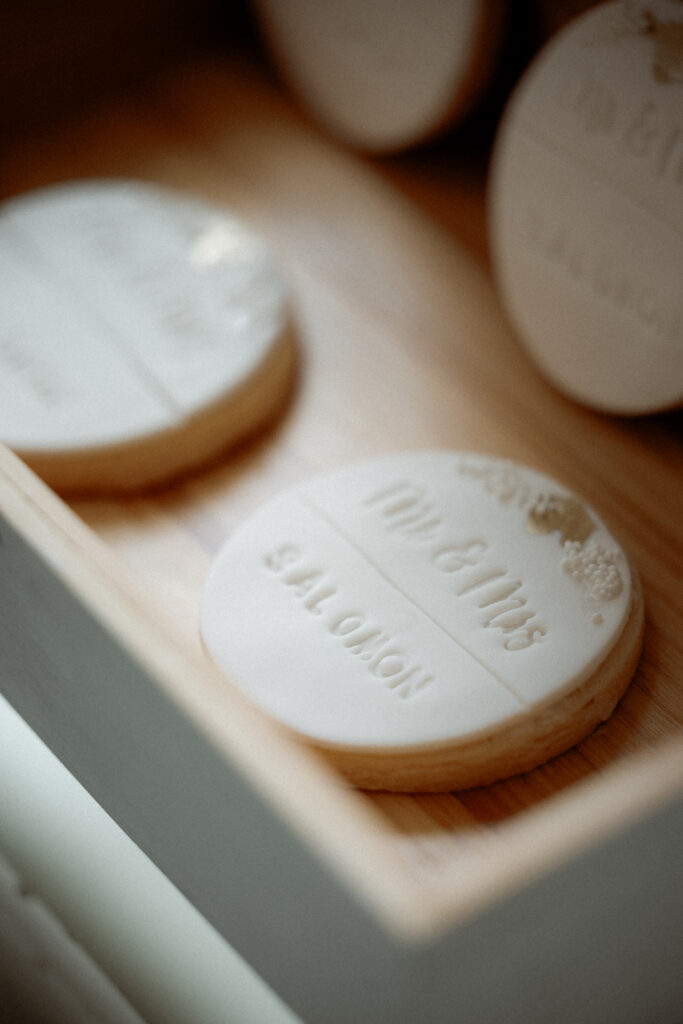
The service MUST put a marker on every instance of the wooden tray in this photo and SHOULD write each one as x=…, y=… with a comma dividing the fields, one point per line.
x=555, y=896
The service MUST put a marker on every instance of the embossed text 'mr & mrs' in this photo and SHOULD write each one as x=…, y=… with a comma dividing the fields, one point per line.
x=405, y=510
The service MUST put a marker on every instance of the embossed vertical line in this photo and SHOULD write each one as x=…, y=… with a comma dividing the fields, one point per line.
x=310, y=504
x=34, y=257
x=543, y=139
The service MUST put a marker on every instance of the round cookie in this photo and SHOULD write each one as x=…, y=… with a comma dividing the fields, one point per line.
x=586, y=210
x=383, y=76
x=142, y=332
x=430, y=621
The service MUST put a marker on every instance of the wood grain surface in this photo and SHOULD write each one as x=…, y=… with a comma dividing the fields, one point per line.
x=402, y=346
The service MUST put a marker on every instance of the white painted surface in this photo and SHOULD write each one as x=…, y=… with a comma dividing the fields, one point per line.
x=171, y=965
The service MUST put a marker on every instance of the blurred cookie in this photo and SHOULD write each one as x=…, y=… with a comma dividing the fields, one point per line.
x=142, y=332
x=383, y=76
x=586, y=208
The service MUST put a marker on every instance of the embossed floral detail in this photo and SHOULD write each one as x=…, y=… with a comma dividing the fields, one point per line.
x=633, y=17
x=499, y=479
x=557, y=512
x=667, y=36
x=595, y=568
x=622, y=21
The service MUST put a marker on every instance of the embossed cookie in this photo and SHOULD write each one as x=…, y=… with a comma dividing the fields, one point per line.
x=586, y=208
x=429, y=621
x=383, y=76
x=141, y=332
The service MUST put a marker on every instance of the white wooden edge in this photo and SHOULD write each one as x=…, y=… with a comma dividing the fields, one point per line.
x=89, y=927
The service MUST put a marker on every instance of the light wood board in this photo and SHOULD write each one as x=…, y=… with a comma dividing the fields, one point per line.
x=403, y=346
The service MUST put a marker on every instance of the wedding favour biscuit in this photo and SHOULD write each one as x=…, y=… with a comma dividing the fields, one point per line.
x=429, y=621
x=586, y=208
x=141, y=332
x=383, y=76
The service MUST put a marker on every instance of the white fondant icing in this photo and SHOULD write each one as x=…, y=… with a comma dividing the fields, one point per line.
x=127, y=310
x=586, y=205
x=383, y=75
x=403, y=601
